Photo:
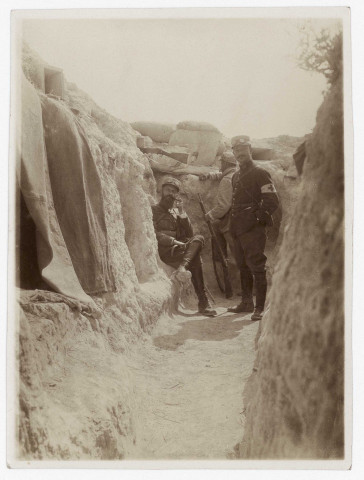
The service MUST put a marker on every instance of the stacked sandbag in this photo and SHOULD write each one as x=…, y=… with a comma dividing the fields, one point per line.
x=166, y=164
x=144, y=142
x=158, y=132
x=262, y=153
x=200, y=137
x=197, y=126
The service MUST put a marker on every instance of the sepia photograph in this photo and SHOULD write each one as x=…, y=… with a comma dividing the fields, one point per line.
x=180, y=239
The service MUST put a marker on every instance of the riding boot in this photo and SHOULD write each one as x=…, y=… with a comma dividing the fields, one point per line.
x=246, y=304
x=198, y=283
x=193, y=249
x=261, y=293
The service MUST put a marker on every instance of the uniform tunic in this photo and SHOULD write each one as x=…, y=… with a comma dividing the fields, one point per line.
x=170, y=226
x=254, y=201
x=224, y=194
x=220, y=214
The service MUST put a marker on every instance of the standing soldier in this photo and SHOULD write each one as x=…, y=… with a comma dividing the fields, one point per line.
x=254, y=201
x=225, y=191
x=177, y=245
x=220, y=213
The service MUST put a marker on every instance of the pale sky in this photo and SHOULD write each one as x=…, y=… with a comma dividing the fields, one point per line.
x=238, y=74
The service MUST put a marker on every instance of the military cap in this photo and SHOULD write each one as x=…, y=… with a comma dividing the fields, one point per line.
x=241, y=142
x=239, y=139
x=242, y=146
x=172, y=181
x=228, y=157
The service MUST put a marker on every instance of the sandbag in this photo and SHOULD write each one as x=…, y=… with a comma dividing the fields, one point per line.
x=262, y=153
x=159, y=132
x=205, y=143
x=144, y=142
x=77, y=195
x=221, y=148
x=161, y=163
x=197, y=126
x=54, y=260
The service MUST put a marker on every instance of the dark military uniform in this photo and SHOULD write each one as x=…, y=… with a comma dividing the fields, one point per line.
x=170, y=226
x=254, y=201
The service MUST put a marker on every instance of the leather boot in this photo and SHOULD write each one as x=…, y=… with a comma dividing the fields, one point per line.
x=193, y=249
x=198, y=283
x=246, y=304
x=261, y=293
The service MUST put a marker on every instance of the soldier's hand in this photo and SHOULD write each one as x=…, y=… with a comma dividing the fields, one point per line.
x=177, y=242
x=263, y=217
x=204, y=176
x=179, y=205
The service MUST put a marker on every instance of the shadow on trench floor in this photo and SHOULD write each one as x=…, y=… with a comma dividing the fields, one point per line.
x=206, y=329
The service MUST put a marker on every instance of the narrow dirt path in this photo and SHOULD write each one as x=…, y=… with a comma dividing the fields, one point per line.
x=189, y=378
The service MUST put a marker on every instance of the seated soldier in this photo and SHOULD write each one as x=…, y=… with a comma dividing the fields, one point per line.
x=177, y=245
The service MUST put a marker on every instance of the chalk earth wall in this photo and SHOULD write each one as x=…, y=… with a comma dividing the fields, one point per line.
x=65, y=410
x=294, y=399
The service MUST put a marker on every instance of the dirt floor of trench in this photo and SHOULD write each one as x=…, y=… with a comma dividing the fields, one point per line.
x=189, y=379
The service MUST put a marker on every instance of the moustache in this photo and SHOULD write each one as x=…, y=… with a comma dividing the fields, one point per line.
x=168, y=200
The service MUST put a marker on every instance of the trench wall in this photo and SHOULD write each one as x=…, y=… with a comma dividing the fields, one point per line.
x=294, y=398
x=76, y=397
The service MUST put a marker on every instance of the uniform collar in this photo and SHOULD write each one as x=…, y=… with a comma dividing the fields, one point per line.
x=246, y=168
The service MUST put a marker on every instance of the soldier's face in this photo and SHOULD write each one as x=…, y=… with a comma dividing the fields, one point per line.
x=169, y=194
x=242, y=157
x=169, y=190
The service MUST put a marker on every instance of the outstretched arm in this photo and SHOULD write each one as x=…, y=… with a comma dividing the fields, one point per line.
x=210, y=176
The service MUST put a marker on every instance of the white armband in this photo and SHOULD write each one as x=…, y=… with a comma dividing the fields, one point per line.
x=268, y=188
